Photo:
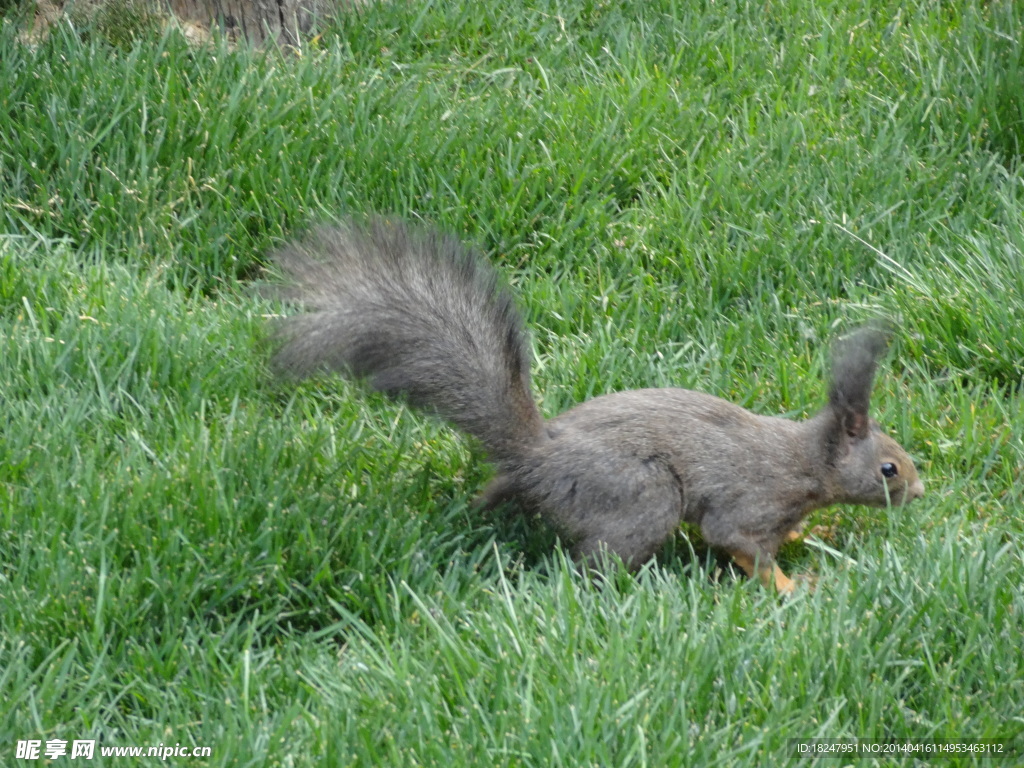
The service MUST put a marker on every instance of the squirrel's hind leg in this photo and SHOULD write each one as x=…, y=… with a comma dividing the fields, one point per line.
x=500, y=490
x=634, y=527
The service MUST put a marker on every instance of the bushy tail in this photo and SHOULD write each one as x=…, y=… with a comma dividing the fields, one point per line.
x=415, y=313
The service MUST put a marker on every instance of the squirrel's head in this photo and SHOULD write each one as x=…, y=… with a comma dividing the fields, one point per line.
x=873, y=469
x=869, y=466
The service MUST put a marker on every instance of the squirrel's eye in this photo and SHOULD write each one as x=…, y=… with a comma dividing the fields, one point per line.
x=889, y=469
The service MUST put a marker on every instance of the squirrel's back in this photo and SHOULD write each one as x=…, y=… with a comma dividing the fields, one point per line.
x=414, y=312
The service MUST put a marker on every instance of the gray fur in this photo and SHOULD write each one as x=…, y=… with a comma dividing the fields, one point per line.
x=416, y=313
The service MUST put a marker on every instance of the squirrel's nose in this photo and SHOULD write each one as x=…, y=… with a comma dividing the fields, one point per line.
x=916, y=491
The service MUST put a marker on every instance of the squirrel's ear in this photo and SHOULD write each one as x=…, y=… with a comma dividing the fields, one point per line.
x=855, y=425
x=854, y=361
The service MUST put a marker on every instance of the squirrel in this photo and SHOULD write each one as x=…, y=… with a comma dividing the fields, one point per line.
x=418, y=314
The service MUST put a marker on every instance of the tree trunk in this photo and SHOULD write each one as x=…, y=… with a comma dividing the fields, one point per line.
x=255, y=20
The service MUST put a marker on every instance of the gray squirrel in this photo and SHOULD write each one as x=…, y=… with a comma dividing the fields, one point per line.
x=418, y=314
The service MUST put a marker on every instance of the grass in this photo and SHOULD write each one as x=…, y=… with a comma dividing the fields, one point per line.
x=681, y=196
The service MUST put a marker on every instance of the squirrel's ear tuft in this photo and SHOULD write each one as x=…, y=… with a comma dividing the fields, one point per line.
x=854, y=361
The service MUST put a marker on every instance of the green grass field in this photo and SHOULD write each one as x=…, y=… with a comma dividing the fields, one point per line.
x=697, y=195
